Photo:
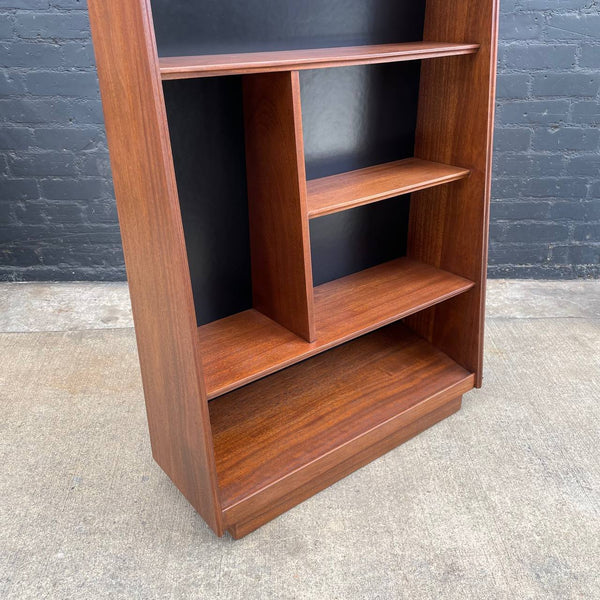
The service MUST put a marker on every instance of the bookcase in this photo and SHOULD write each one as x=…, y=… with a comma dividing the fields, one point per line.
x=303, y=193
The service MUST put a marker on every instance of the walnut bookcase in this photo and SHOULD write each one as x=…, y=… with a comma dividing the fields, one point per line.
x=297, y=313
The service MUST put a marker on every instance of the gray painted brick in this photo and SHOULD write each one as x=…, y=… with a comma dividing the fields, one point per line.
x=573, y=26
x=73, y=25
x=518, y=253
x=50, y=110
x=566, y=84
x=496, y=232
x=588, y=232
x=513, y=85
x=554, y=4
x=508, y=6
x=78, y=54
x=558, y=254
x=30, y=54
x=585, y=164
x=19, y=189
x=6, y=27
x=566, y=139
x=586, y=112
x=590, y=56
x=536, y=232
x=512, y=139
x=540, y=56
x=74, y=83
x=38, y=213
x=574, y=210
x=520, y=211
x=24, y=4
x=520, y=26
x=550, y=271
x=592, y=210
x=553, y=187
x=585, y=254
x=76, y=139
x=11, y=84
x=528, y=165
x=95, y=163
x=16, y=138
x=42, y=163
x=3, y=166
x=543, y=112
x=69, y=4
x=506, y=187
x=74, y=188
x=101, y=212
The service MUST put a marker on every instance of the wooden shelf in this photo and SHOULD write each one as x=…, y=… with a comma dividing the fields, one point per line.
x=305, y=421
x=349, y=190
x=247, y=346
x=211, y=65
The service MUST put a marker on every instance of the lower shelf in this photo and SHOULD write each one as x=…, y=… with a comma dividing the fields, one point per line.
x=283, y=438
x=247, y=346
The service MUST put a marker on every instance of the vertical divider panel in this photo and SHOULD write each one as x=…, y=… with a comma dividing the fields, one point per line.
x=282, y=285
x=448, y=225
x=155, y=252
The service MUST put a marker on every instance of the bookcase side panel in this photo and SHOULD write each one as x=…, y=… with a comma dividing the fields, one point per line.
x=449, y=224
x=154, y=249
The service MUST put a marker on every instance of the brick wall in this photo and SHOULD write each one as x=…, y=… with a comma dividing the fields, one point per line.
x=57, y=213
x=546, y=190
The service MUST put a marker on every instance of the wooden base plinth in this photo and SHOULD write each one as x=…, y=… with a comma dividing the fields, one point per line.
x=341, y=470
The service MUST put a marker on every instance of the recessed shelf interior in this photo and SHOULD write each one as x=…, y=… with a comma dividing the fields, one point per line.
x=197, y=27
x=280, y=425
x=362, y=279
x=353, y=118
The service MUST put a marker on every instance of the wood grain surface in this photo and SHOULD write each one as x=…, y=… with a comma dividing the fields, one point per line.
x=356, y=188
x=449, y=224
x=183, y=67
x=248, y=521
x=247, y=346
x=319, y=413
x=279, y=236
x=154, y=248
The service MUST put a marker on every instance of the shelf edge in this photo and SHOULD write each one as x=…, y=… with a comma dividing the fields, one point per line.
x=170, y=69
x=460, y=173
x=312, y=349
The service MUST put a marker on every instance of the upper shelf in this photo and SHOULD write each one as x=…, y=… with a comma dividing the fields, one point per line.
x=349, y=190
x=211, y=65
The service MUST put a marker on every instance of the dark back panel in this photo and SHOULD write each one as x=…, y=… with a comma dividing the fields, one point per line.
x=357, y=239
x=352, y=117
x=356, y=117
x=207, y=136
x=221, y=26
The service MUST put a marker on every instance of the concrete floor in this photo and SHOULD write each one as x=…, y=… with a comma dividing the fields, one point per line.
x=501, y=500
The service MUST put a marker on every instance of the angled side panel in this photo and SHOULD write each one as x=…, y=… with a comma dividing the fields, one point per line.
x=449, y=224
x=154, y=248
x=282, y=285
